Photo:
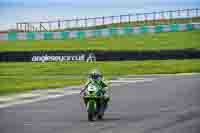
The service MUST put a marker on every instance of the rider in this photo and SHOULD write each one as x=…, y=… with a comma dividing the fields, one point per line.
x=95, y=76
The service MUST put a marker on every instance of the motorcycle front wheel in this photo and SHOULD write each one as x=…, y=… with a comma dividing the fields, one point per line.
x=90, y=117
x=100, y=117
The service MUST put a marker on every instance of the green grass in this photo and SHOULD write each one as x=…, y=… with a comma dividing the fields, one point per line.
x=160, y=41
x=20, y=77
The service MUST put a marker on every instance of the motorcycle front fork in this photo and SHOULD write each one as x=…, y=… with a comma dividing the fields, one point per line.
x=102, y=106
x=100, y=103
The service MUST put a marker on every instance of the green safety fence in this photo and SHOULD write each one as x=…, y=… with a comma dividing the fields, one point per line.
x=113, y=31
x=48, y=35
x=189, y=27
x=159, y=28
x=12, y=36
x=144, y=29
x=99, y=33
x=128, y=30
x=80, y=34
x=30, y=36
x=174, y=27
x=64, y=35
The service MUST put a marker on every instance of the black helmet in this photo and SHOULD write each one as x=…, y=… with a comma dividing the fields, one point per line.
x=95, y=75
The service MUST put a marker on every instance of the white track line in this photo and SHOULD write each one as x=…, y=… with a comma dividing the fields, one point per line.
x=38, y=99
x=131, y=81
x=45, y=96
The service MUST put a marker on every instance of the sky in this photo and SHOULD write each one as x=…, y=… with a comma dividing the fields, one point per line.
x=95, y=3
x=12, y=11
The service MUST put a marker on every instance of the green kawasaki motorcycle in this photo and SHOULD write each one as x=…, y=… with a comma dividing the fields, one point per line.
x=95, y=101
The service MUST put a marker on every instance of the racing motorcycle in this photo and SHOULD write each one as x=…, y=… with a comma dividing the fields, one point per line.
x=95, y=101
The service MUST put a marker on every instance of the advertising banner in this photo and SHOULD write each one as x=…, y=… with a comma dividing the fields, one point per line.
x=92, y=56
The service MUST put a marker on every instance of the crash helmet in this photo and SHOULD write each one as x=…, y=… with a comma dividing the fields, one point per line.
x=95, y=75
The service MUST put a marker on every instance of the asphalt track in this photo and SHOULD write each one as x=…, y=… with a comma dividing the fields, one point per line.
x=165, y=105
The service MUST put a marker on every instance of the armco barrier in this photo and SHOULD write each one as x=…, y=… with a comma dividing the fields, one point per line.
x=69, y=56
x=97, y=33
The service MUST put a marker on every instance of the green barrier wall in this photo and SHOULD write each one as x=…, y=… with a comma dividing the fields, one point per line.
x=174, y=27
x=64, y=35
x=101, y=32
x=159, y=28
x=48, y=36
x=31, y=36
x=144, y=29
x=80, y=34
x=12, y=36
x=128, y=30
x=96, y=33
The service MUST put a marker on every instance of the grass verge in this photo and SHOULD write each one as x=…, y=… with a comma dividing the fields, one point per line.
x=145, y=42
x=21, y=77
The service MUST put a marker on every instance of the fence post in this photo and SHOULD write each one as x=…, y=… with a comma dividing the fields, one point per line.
x=154, y=18
x=20, y=27
x=29, y=29
x=162, y=15
x=86, y=22
x=25, y=27
x=170, y=16
x=77, y=22
x=17, y=27
x=112, y=19
x=137, y=18
x=120, y=19
x=28, y=25
x=50, y=28
x=40, y=26
x=95, y=21
x=66, y=24
x=59, y=24
x=103, y=20
x=188, y=12
x=179, y=12
x=145, y=18
x=70, y=23
x=129, y=18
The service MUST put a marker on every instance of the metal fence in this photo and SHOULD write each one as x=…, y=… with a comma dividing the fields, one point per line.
x=138, y=19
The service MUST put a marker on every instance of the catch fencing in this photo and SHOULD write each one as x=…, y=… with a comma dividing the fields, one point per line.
x=138, y=19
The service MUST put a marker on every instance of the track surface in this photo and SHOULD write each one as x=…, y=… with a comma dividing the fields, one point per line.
x=165, y=105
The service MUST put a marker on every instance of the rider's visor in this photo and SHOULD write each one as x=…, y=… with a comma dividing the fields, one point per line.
x=95, y=77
